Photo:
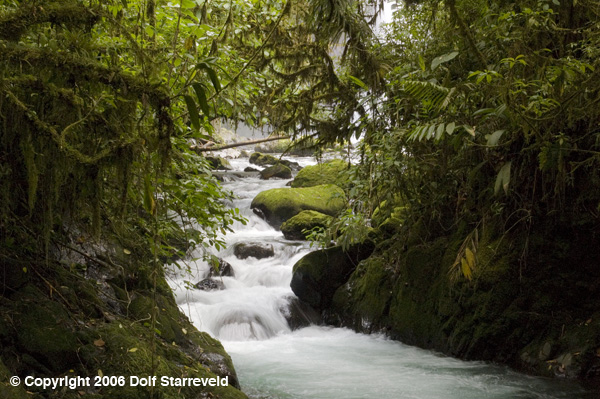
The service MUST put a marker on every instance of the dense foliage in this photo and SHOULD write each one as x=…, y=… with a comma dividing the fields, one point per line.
x=489, y=115
x=99, y=102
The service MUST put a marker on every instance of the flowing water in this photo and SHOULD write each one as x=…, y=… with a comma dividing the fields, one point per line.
x=273, y=362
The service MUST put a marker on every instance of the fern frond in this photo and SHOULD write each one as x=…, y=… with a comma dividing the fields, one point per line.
x=435, y=96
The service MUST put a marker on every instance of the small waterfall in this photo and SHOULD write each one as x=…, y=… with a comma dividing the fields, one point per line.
x=254, y=302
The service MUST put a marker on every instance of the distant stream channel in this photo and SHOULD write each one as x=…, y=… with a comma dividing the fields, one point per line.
x=274, y=362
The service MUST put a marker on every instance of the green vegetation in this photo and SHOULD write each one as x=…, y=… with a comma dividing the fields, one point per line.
x=479, y=155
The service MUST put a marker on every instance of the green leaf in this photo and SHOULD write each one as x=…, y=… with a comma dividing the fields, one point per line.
x=470, y=130
x=421, y=63
x=503, y=179
x=450, y=127
x=211, y=74
x=440, y=131
x=149, y=203
x=442, y=59
x=358, y=82
x=193, y=111
x=201, y=94
x=493, y=138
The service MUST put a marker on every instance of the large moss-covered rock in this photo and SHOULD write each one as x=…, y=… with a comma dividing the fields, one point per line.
x=319, y=274
x=330, y=172
x=278, y=170
x=293, y=228
x=280, y=204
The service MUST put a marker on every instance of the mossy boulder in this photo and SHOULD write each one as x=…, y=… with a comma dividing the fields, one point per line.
x=330, y=172
x=219, y=163
x=293, y=228
x=280, y=204
x=263, y=159
x=319, y=274
x=278, y=170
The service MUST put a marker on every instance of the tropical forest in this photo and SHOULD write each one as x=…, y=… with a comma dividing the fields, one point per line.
x=311, y=199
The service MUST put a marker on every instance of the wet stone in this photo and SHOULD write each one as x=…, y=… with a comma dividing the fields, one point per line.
x=257, y=250
x=209, y=284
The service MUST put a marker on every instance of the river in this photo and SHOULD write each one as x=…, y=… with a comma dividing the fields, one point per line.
x=274, y=362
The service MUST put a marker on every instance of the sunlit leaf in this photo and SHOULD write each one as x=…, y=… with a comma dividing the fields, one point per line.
x=503, y=179
x=493, y=138
x=442, y=59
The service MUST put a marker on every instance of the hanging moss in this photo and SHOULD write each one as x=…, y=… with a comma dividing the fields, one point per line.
x=15, y=23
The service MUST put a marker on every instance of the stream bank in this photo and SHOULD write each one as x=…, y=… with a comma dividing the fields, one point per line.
x=537, y=314
x=86, y=311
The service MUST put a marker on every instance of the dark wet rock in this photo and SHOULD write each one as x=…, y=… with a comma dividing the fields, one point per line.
x=209, y=284
x=299, y=314
x=319, y=274
x=250, y=169
x=257, y=250
x=291, y=164
x=218, y=163
x=265, y=159
x=278, y=170
x=225, y=269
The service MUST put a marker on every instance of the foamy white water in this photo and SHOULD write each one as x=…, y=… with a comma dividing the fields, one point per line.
x=273, y=362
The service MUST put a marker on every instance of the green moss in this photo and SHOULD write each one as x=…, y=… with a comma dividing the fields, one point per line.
x=306, y=220
x=278, y=170
x=330, y=172
x=263, y=159
x=7, y=390
x=125, y=348
x=219, y=163
x=280, y=204
x=45, y=330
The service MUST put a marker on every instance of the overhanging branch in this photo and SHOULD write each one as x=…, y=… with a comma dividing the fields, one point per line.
x=224, y=147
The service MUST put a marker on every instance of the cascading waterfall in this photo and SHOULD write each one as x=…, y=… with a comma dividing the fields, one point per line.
x=273, y=362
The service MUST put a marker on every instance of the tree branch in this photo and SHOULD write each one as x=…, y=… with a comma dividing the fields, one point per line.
x=224, y=147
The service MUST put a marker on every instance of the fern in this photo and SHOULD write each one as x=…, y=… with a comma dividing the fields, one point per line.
x=433, y=96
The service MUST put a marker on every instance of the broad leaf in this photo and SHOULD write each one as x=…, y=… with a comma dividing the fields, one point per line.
x=201, y=94
x=442, y=59
x=193, y=111
x=493, y=138
x=503, y=179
